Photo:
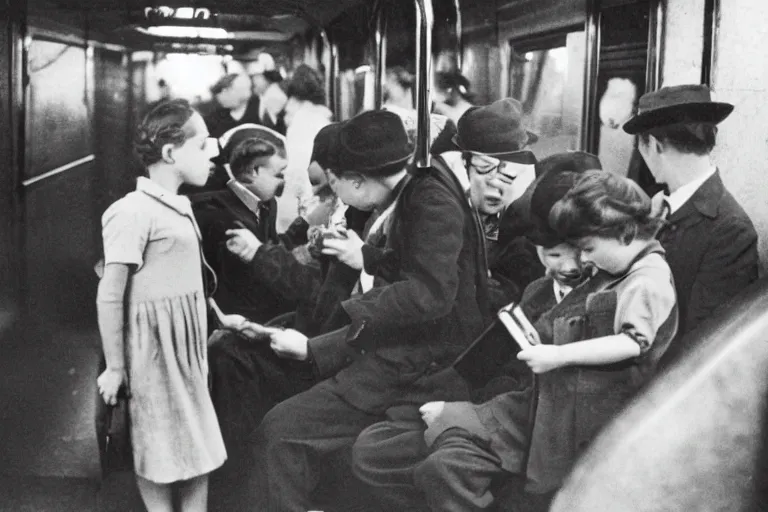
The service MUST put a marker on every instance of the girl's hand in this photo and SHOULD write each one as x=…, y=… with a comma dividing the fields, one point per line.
x=348, y=250
x=542, y=358
x=232, y=322
x=430, y=412
x=109, y=383
x=243, y=244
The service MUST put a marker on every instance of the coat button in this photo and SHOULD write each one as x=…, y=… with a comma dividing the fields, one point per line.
x=348, y=360
x=362, y=351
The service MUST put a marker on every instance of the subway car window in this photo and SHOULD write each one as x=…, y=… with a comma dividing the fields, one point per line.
x=548, y=79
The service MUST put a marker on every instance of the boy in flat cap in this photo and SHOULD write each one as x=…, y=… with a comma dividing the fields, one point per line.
x=710, y=242
x=419, y=301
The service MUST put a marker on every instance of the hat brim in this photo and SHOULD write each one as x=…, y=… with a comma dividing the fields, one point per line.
x=543, y=237
x=519, y=157
x=373, y=168
x=701, y=112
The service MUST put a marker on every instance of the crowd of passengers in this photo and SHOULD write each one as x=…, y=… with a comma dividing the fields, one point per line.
x=346, y=334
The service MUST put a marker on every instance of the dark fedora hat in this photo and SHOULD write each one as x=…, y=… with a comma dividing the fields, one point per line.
x=496, y=130
x=559, y=173
x=677, y=104
x=372, y=141
x=324, y=146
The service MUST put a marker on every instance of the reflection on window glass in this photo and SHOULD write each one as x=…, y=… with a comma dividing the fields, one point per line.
x=549, y=83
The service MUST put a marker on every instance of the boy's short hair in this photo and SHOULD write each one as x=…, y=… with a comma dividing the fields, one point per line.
x=692, y=138
x=248, y=154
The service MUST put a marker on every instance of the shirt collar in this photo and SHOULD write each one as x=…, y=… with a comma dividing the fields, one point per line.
x=248, y=198
x=561, y=290
x=680, y=196
x=175, y=201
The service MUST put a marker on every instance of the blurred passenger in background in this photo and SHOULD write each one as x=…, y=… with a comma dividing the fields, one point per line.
x=266, y=84
x=236, y=104
x=451, y=95
x=710, y=241
x=305, y=115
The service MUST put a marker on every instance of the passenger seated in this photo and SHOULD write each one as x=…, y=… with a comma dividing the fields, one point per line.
x=495, y=167
x=412, y=316
x=256, y=159
x=601, y=343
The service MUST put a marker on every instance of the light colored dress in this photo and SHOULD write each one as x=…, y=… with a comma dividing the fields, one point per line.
x=174, y=429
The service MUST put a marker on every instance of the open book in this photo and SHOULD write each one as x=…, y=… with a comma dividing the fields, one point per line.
x=519, y=327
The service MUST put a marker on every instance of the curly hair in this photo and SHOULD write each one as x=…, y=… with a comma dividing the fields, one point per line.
x=607, y=205
x=307, y=85
x=163, y=124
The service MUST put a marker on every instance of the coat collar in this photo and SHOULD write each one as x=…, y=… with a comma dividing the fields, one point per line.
x=706, y=200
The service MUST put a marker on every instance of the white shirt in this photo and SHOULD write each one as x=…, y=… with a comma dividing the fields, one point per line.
x=681, y=196
x=561, y=290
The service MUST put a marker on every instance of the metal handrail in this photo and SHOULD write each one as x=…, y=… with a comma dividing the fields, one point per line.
x=424, y=23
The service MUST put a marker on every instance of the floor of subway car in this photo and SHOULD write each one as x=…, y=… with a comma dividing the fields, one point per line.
x=47, y=438
x=48, y=453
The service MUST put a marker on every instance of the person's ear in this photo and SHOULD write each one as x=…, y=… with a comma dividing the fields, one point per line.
x=657, y=146
x=540, y=253
x=167, y=153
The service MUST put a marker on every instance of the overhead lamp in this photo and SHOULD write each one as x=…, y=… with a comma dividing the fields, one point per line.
x=179, y=16
x=185, y=32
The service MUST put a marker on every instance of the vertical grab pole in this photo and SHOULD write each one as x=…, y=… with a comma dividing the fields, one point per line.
x=331, y=73
x=424, y=22
x=381, y=56
x=459, y=36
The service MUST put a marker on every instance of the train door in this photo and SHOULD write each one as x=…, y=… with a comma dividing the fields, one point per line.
x=60, y=180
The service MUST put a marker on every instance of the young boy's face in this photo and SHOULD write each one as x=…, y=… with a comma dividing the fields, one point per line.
x=562, y=262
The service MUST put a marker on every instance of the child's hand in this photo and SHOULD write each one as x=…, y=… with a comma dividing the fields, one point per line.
x=232, y=322
x=243, y=244
x=109, y=383
x=542, y=358
x=430, y=412
x=348, y=250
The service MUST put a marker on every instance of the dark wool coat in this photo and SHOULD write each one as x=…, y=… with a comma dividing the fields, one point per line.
x=242, y=288
x=428, y=303
x=711, y=247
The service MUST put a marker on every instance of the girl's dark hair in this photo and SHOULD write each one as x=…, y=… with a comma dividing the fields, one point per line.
x=163, y=124
x=306, y=85
x=248, y=153
x=604, y=204
x=696, y=138
x=404, y=77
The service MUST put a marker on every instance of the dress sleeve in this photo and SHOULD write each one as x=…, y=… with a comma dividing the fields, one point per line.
x=125, y=230
x=644, y=303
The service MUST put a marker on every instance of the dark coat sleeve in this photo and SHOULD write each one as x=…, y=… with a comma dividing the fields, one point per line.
x=330, y=352
x=275, y=266
x=730, y=264
x=213, y=226
x=431, y=241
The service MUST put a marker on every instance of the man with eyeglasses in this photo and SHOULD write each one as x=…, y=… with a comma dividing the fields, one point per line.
x=495, y=168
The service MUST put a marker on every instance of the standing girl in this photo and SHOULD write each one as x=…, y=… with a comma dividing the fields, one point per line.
x=152, y=313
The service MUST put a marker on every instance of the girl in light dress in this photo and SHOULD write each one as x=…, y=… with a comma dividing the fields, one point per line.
x=152, y=313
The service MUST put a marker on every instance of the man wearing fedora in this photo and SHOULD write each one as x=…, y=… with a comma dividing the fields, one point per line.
x=490, y=158
x=710, y=242
x=420, y=300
